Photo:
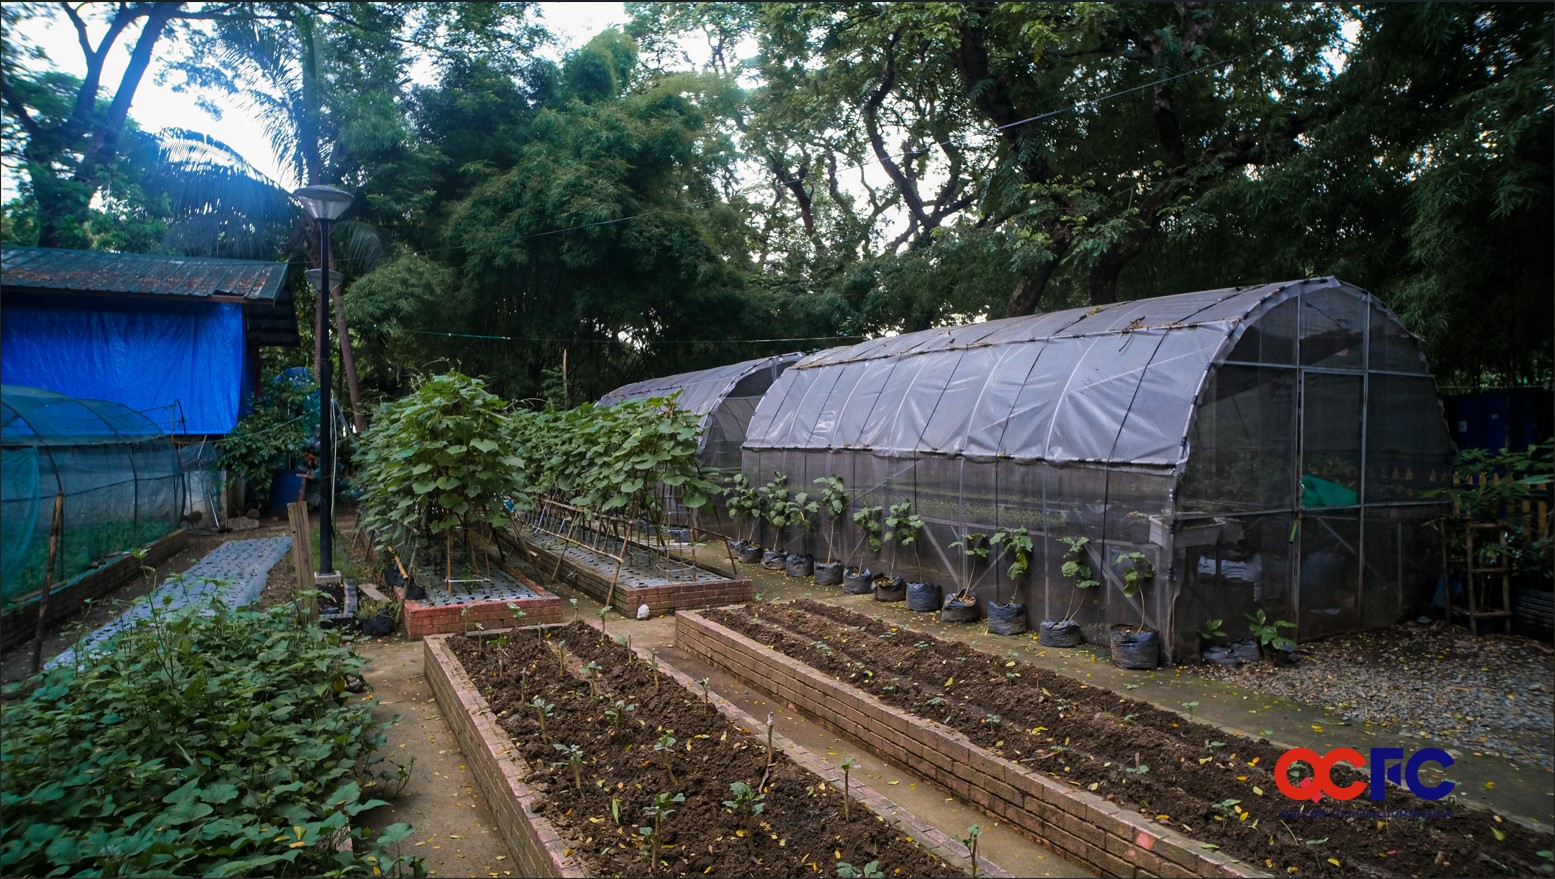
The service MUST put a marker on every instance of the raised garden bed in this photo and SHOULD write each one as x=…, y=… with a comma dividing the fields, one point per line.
x=664, y=587
x=556, y=826
x=1105, y=780
x=489, y=604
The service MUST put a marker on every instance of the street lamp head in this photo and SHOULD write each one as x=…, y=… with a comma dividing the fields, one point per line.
x=323, y=202
x=314, y=276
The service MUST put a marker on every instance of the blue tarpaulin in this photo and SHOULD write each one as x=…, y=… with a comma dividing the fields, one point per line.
x=143, y=354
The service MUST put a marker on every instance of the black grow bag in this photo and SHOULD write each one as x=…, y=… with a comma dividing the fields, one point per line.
x=799, y=565
x=894, y=589
x=959, y=608
x=774, y=560
x=860, y=582
x=923, y=597
x=750, y=554
x=1006, y=619
x=828, y=573
x=377, y=626
x=1132, y=649
x=1060, y=633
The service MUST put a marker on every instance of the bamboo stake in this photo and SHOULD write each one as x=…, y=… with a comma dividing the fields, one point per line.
x=48, y=581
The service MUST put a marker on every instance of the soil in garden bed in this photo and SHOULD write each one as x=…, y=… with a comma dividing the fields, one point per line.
x=1214, y=786
x=800, y=831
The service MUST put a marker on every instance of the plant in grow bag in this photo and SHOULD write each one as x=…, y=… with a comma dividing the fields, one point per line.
x=833, y=502
x=1267, y=633
x=1075, y=569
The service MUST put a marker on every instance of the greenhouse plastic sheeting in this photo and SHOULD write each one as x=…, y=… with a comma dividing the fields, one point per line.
x=116, y=473
x=724, y=396
x=1181, y=427
x=147, y=357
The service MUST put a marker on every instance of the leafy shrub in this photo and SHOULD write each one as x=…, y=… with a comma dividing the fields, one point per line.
x=283, y=418
x=204, y=741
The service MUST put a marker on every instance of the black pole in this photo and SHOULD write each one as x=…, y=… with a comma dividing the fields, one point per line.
x=326, y=423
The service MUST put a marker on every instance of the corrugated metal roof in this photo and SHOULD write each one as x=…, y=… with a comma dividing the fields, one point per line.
x=93, y=271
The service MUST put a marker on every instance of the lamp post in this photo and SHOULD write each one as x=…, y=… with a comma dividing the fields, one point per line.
x=325, y=204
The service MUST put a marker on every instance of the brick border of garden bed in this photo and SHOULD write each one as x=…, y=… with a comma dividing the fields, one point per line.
x=714, y=591
x=20, y=623
x=534, y=842
x=423, y=619
x=1075, y=824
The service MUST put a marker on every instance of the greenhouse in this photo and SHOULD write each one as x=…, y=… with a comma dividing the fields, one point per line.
x=724, y=396
x=113, y=473
x=1265, y=447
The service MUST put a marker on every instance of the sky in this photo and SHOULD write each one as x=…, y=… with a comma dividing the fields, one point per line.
x=157, y=106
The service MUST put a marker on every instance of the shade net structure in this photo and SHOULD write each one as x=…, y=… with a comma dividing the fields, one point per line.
x=115, y=472
x=725, y=397
x=1264, y=447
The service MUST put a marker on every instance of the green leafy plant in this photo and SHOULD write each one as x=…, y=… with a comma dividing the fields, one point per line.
x=902, y=524
x=659, y=813
x=867, y=518
x=833, y=501
x=113, y=765
x=666, y=746
x=747, y=804
x=1504, y=487
x=870, y=870
x=1075, y=568
x=1137, y=571
x=1267, y=632
x=617, y=713
x=745, y=504
x=282, y=417
x=442, y=458
x=543, y=710
x=847, y=797
x=973, y=833
x=572, y=756
x=1212, y=629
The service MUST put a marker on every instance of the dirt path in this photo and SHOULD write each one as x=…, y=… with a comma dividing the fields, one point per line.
x=455, y=833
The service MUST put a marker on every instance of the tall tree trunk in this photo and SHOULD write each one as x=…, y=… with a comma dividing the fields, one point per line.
x=348, y=362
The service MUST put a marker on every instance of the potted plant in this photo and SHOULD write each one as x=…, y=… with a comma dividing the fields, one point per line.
x=901, y=526
x=833, y=502
x=1212, y=638
x=1271, y=644
x=1065, y=632
x=1136, y=646
x=774, y=506
x=1010, y=618
x=745, y=507
x=859, y=580
x=377, y=618
x=973, y=545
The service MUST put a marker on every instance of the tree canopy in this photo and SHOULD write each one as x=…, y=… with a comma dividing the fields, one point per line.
x=718, y=181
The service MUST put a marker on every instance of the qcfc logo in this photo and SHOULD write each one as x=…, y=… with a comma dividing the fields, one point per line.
x=1387, y=764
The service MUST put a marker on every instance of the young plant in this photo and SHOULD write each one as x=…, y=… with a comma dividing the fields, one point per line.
x=603, y=612
x=572, y=755
x=745, y=504
x=771, y=754
x=870, y=870
x=659, y=812
x=1137, y=573
x=543, y=710
x=970, y=841
x=590, y=673
x=833, y=502
x=867, y=518
x=747, y=804
x=666, y=746
x=1076, y=569
x=1016, y=541
x=707, y=699
x=653, y=663
x=617, y=713
x=1267, y=632
x=1212, y=629
x=902, y=524
x=575, y=612
x=847, y=798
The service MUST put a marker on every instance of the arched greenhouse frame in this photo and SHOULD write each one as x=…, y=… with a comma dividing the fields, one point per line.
x=1267, y=447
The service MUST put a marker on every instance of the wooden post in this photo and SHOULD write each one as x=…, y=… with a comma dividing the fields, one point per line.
x=48, y=581
x=302, y=556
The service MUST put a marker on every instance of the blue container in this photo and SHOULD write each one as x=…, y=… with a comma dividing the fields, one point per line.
x=285, y=488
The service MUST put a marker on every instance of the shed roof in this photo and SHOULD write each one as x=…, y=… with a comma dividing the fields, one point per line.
x=1115, y=383
x=259, y=285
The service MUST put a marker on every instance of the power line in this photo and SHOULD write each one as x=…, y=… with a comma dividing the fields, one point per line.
x=907, y=154
x=611, y=341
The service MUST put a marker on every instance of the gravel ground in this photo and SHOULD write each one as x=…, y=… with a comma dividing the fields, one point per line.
x=1490, y=695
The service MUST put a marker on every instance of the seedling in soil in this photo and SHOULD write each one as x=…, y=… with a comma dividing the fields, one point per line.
x=1190, y=706
x=560, y=648
x=993, y=720
x=970, y=841
x=770, y=753
x=617, y=713
x=464, y=619
x=847, y=798
x=1226, y=808
x=871, y=870
x=575, y=612
x=518, y=617
x=1214, y=745
x=603, y=612
x=660, y=812
x=590, y=673
x=707, y=701
x=653, y=662
x=573, y=756
x=1138, y=768
x=666, y=746
x=615, y=807
x=543, y=709
x=747, y=804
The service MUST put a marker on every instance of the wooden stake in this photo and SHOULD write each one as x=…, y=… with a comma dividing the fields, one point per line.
x=48, y=581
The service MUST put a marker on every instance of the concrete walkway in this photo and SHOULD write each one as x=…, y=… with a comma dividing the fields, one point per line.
x=234, y=573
